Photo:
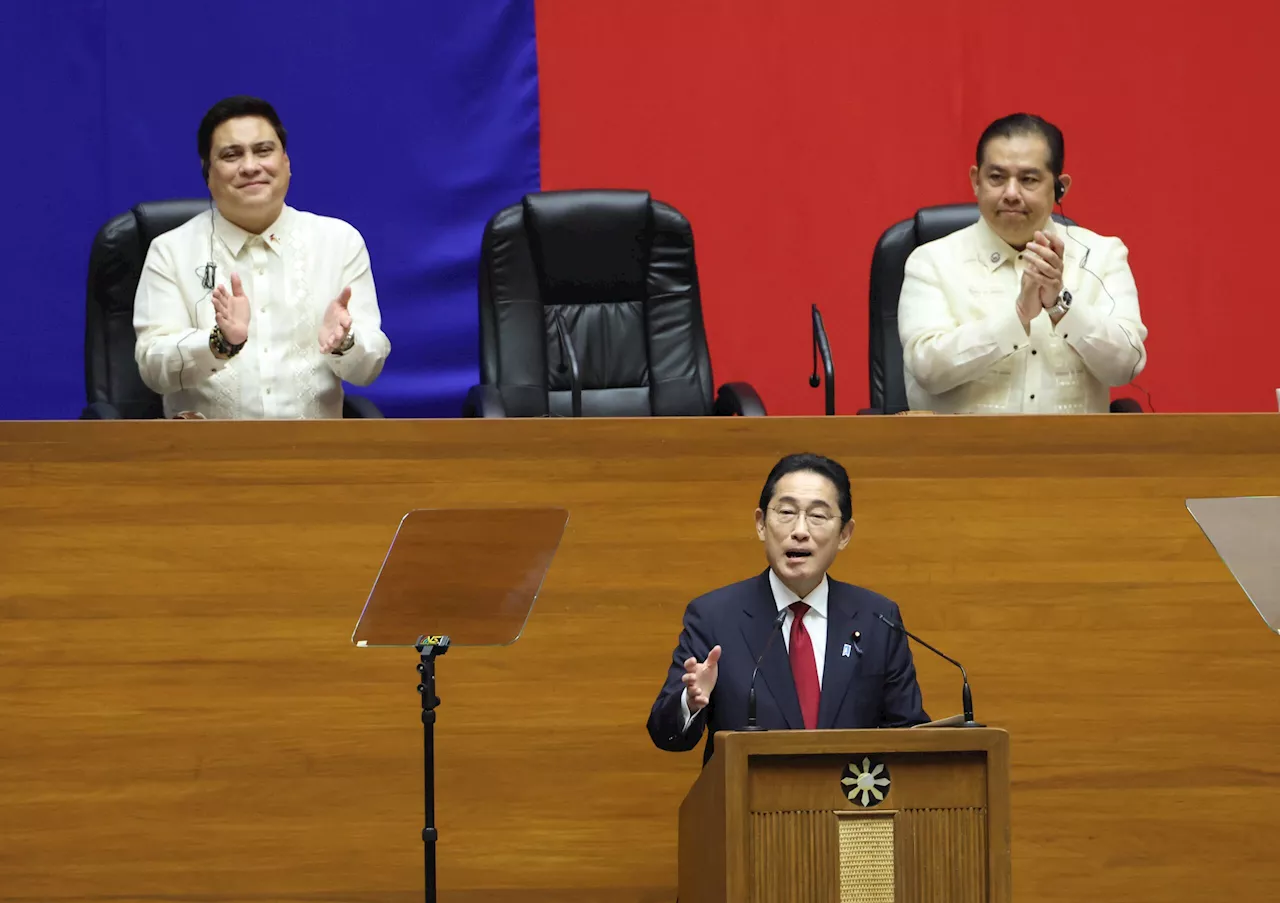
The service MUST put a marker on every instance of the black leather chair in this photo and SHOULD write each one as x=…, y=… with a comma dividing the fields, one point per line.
x=114, y=389
x=888, y=264
x=617, y=270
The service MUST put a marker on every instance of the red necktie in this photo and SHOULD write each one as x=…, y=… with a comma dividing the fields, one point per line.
x=804, y=667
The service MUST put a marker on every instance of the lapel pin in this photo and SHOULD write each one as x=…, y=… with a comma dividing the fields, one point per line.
x=845, y=651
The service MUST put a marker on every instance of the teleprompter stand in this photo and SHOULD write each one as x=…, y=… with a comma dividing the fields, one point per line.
x=474, y=572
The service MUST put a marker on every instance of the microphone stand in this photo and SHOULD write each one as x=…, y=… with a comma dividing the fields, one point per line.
x=751, y=692
x=822, y=347
x=966, y=694
x=575, y=374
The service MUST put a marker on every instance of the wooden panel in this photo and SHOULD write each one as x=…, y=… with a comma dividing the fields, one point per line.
x=182, y=708
x=941, y=855
x=794, y=857
x=937, y=779
x=703, y=856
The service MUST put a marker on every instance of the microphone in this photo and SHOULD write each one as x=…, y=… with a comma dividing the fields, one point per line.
x=575, y=374
x=209, y=272
x=966, y=694
x=822, y=347
x=751, y=693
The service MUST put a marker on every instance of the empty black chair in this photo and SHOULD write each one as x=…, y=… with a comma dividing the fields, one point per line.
x=610, y=276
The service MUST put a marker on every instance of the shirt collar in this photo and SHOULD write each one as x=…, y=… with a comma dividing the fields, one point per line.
x=236, y=238
x=994, y=250
x=816, y=600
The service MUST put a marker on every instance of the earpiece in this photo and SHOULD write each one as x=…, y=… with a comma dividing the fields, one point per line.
x=1058, y=190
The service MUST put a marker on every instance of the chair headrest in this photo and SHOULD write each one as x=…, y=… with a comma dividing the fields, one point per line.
x=590, y=246
x=158, y=217
x=937, y=222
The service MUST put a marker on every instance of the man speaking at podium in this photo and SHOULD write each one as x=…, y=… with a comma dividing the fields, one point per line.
x=826, y=659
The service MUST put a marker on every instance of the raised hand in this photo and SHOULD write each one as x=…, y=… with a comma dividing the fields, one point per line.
x=337, y=323
x=1029, y=305
x=1043, y=256
x=231, y=311
x=700, y=679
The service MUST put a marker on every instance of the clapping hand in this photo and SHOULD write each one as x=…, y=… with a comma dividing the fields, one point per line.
x=1043, y=257
x=231, y=311
x=337, y=323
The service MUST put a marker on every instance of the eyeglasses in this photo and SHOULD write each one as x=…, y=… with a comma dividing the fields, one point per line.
x=816, y=520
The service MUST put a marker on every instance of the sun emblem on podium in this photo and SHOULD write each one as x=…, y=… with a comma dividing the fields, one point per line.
x=866, y=784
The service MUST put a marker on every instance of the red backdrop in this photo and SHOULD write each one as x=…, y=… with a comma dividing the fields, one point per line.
x=793, y=133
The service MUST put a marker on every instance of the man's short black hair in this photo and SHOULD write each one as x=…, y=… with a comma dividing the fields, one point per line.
x=810, y=463
x=232, y=108
x=1027, y=124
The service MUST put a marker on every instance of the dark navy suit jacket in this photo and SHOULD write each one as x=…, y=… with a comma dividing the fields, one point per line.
x=874, y=688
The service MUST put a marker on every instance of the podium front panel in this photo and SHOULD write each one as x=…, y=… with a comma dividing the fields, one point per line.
x=921, y=834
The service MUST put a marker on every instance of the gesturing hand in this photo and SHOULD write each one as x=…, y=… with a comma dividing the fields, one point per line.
x=700, y=679
x=337, y=323
x=231, y=311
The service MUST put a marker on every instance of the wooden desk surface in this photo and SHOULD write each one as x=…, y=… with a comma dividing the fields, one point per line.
x=184, y=718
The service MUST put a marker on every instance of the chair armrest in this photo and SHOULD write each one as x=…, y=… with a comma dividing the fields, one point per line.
x=100, y=410
x=1126, y=406
x=483, y=401
x=357, y=406
x=739, y=399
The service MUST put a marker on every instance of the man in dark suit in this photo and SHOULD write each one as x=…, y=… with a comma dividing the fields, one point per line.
x=835, y=665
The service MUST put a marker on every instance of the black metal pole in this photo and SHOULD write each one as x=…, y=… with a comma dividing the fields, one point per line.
x=428, y=648
x=575, y=372
x=822, y=347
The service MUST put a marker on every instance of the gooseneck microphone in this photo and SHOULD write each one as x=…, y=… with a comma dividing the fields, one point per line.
x=571, y=356
x=751, y=693
x=966, y=694
x=822, y=347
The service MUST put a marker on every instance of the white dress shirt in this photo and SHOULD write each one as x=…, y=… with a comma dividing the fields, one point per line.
x=966, y=352
x=815, y=622
x=290, y=274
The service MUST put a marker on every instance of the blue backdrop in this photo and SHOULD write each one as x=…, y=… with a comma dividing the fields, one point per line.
x=414, y=120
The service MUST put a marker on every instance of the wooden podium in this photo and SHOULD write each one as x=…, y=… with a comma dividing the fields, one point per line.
x=865, y=816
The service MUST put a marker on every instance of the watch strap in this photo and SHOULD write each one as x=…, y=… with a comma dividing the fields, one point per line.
x=219, y=345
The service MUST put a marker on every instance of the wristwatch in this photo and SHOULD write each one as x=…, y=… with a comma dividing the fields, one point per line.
x=219, y=345
x=347, y=344
x=1063, y=305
